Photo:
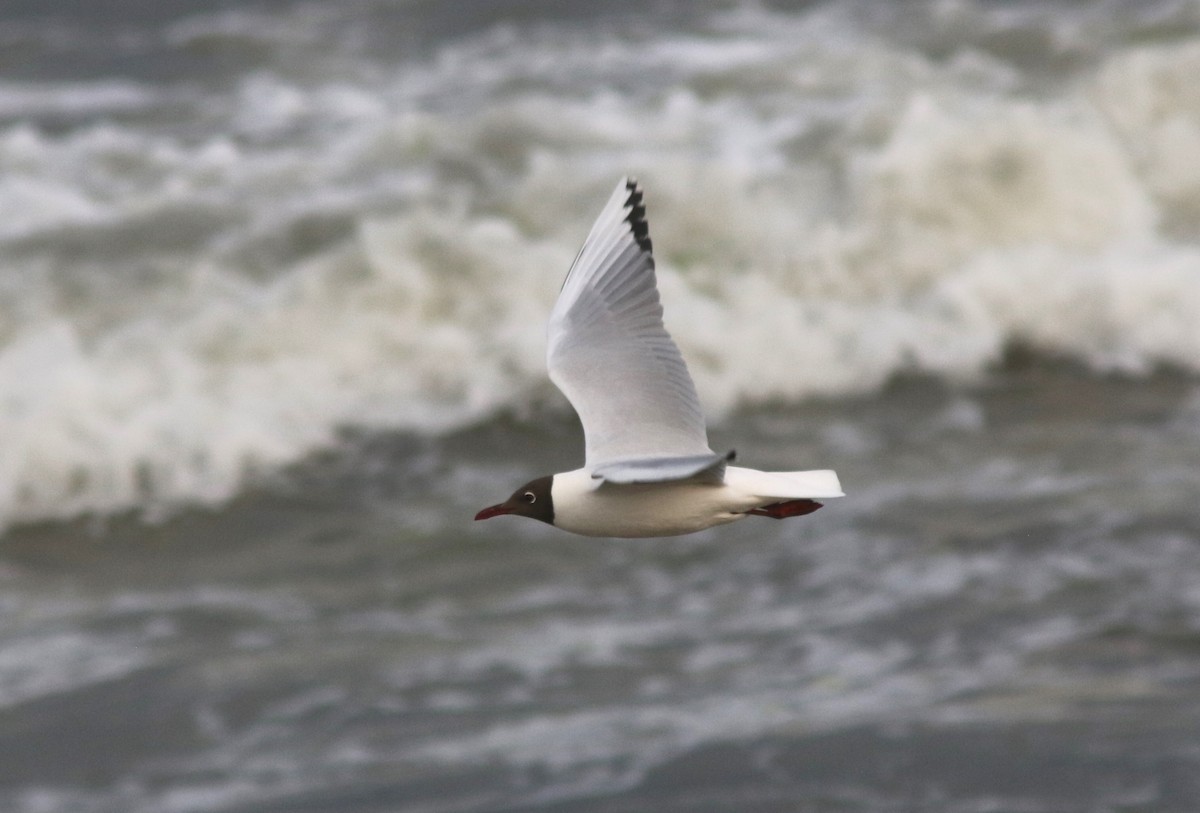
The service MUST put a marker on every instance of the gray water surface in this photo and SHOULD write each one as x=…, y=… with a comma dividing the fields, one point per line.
x=1003, y=614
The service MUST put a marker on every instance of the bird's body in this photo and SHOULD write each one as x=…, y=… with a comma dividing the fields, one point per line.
x=591, y=507
x=649, y=470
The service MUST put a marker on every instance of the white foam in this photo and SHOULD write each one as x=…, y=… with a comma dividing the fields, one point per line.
x=381, y=249
x=50, y=664
x=1153, y=101
x=21, y=99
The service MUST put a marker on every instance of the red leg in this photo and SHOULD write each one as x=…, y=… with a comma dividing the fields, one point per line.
x=790, y=508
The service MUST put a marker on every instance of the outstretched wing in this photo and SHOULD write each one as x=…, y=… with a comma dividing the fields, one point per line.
x=611, y=356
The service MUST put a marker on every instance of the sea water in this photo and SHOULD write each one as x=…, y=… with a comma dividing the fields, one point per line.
x=274, y=285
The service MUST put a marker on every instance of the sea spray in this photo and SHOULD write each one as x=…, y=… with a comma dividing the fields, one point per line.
x=206, y=282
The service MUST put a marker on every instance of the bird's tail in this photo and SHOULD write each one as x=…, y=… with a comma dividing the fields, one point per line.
x=818, y=484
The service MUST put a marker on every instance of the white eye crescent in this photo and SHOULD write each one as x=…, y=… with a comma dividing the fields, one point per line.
x=529, y=497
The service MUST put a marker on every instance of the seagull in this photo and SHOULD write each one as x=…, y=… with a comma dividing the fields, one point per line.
x=648, y=469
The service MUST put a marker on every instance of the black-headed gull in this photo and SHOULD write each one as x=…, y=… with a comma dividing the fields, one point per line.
x=648, y=468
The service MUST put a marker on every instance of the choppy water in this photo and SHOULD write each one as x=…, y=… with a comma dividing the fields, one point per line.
x=1004, y=615
x=273, y=292
x=323, y=215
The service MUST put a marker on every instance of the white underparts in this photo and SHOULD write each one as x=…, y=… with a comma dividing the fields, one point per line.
x=584, y=505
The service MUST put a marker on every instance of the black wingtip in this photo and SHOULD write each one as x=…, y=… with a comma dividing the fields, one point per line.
x=637, y=215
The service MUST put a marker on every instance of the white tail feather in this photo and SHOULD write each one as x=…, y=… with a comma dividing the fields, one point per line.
x=821, y=483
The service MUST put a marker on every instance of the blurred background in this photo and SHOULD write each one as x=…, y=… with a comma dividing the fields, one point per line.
x=274, y=278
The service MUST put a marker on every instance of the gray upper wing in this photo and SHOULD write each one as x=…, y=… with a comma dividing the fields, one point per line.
x=704, y=468
x=610, y=354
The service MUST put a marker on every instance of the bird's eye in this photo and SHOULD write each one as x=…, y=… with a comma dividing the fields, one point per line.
x=529, y=497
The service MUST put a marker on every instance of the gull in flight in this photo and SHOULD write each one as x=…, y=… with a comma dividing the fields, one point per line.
x=648, y=469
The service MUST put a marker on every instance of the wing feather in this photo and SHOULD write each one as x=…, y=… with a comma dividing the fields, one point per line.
x=611, y=356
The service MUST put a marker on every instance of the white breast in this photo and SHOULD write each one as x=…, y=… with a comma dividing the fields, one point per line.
x=586, y=506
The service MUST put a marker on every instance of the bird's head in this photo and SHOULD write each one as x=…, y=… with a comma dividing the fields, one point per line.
x=530, y=500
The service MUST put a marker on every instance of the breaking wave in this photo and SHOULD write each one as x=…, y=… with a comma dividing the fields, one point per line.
x=202, y=283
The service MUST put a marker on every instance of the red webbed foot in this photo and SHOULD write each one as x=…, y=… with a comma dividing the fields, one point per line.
x=790, y=508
